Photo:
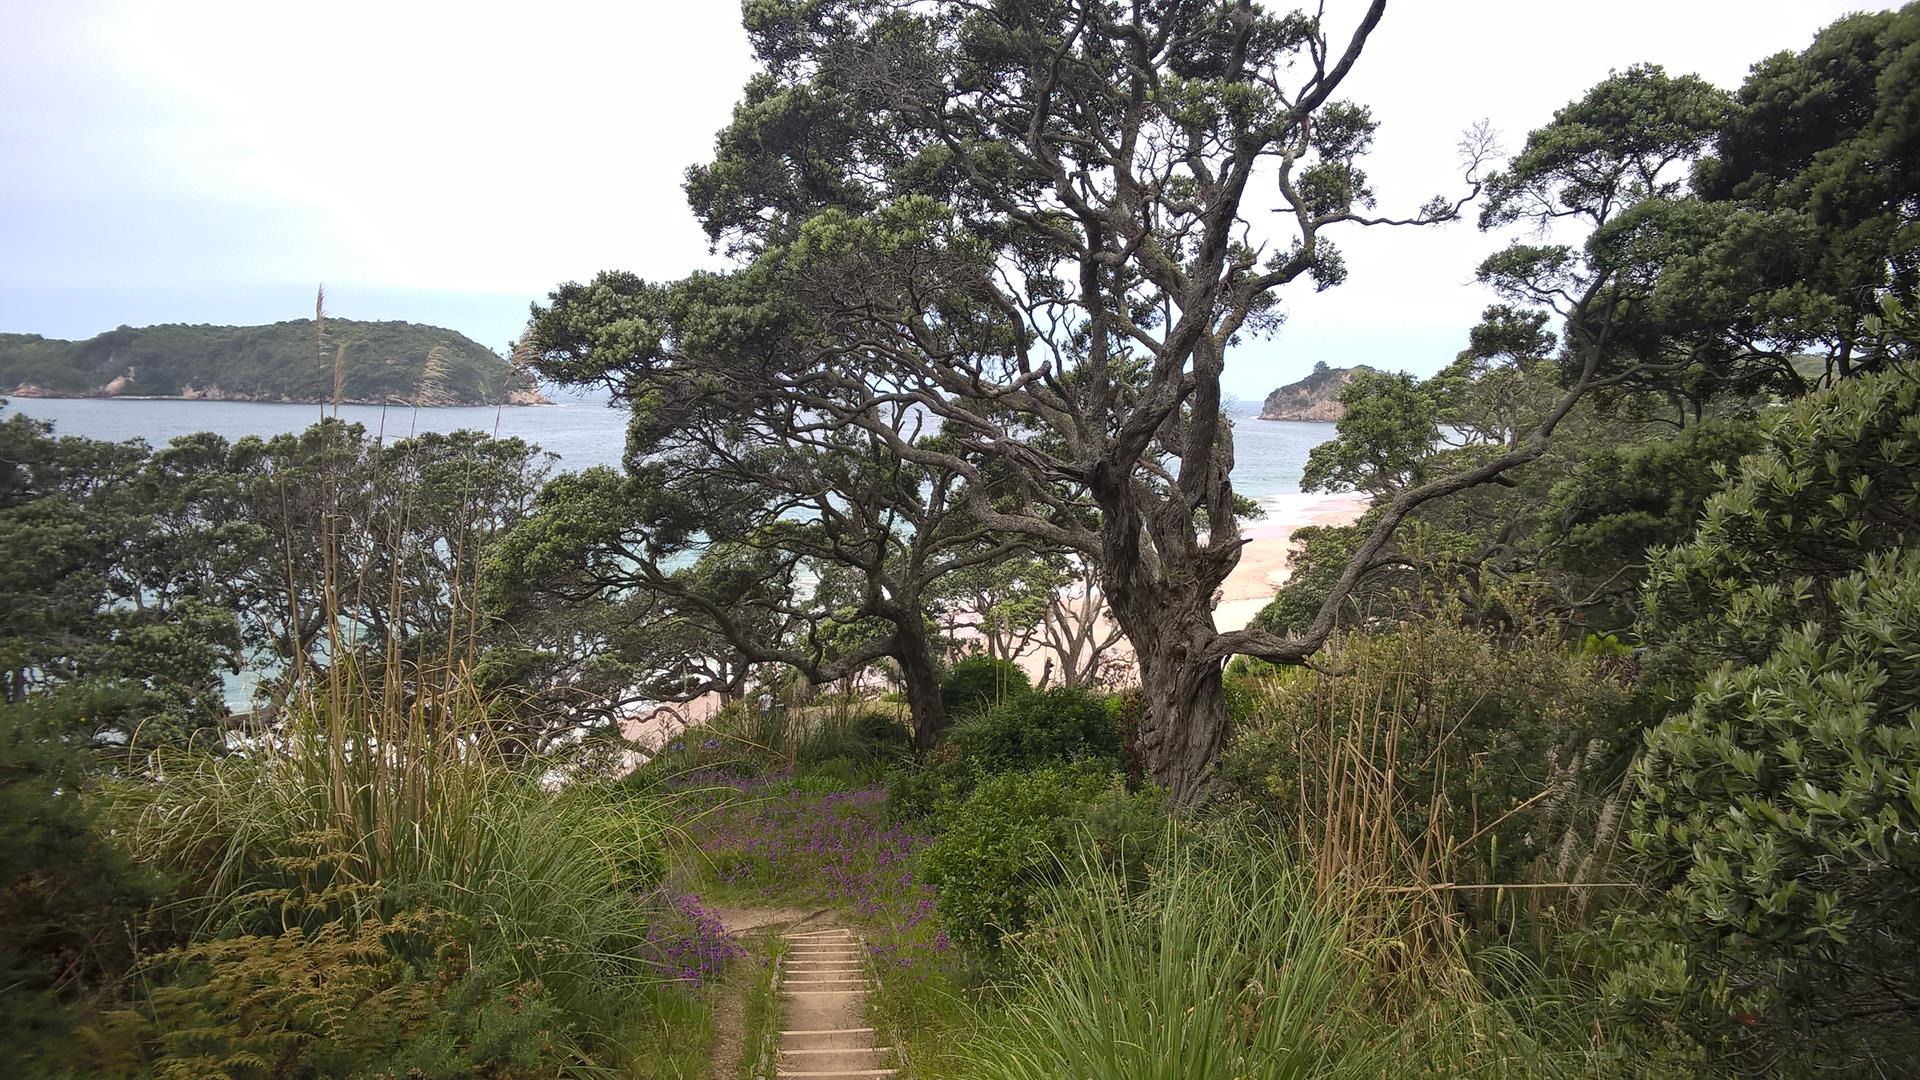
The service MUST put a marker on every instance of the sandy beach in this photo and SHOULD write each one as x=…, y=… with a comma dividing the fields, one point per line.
x=1263, y=562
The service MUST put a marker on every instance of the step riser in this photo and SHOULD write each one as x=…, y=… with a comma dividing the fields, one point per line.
x=838, y=1060
x=851, y=1039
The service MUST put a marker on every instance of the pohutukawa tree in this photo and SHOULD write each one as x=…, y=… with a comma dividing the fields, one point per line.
x=1043, y=224
x=775, y=530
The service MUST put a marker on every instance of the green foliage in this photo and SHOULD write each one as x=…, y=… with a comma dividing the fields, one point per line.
x=981, y=682
x=1831, y=484
x=1568, y=531
x=116, y=589
x=862, y=743
x=1778, y=813
x=916, y=790
x=1492, y=758
x=1763, y=273
x=1225, y=962
x=1611, y=141
x=1621, y=501
x=69, y=898
x=387, y=997
x=144, y=577
x=1385, y=437
x=384, y=361
x=1223, y=966
x=744, y=529
x=1051, y=727
x=437, y=818
x=1059, y=727
x=1003, y=842
x=1813, y=181
x=1320, y=556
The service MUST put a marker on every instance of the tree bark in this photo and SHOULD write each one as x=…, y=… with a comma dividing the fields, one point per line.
x=1185, y=725
x=921, y=677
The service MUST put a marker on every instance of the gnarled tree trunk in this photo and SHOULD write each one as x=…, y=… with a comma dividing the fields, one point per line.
x=1185, y=725
x=921, y=676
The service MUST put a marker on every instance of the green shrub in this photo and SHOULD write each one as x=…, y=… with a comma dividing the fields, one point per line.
x=1003, y=842
x=1046, y=728
x=862, y=742
x=979, y=682
x=1123, y=829
x=830, y=777
x=1780, y=813
x=344, y=1000
x=915, y=790
x=1832, y=483
x=545, y=880
x=68, y=895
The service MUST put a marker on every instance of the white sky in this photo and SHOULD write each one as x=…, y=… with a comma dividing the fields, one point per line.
x=212, y=160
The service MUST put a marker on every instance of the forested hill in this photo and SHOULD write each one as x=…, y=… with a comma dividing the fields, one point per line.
x=378, y=362
x=1316, y=397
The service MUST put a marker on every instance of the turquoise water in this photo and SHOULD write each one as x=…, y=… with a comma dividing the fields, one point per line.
x=1269, y=455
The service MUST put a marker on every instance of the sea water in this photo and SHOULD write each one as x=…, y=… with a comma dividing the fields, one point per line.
x=1269, y=455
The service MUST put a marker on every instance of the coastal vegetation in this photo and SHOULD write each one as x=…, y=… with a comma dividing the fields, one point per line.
x=1589, y=749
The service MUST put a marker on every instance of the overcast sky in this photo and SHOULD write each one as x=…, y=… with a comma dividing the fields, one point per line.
x=212, y=160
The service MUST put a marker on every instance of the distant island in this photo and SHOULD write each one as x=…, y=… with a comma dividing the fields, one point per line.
x=377, y=363
x=1316, y=397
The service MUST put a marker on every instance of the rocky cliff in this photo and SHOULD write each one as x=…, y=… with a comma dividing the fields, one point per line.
x=1316, y=397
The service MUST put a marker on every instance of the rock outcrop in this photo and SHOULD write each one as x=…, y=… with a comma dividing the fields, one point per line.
x=1316, y=397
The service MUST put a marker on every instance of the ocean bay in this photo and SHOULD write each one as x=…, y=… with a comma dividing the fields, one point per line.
x=1269, y=455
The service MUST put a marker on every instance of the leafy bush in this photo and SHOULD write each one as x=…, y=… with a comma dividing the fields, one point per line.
x=1599, y=521
x=434, y=820
x=1046, y=728
x=915, y=790
x=864, y=742
x=1004, y=841
x=980, y=682
x=1780, y=813
x=1832, y=483
x=343, y=1000
x=68, y=896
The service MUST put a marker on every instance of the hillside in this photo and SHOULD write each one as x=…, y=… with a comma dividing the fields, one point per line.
x=383, y=362
x=1316, y=397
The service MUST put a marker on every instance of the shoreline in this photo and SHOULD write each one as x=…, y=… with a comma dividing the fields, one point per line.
x=1266, y=555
